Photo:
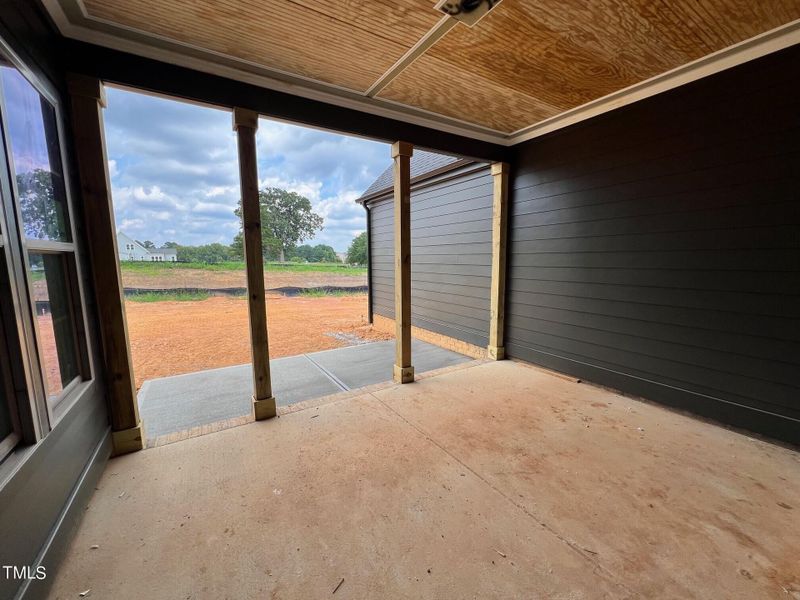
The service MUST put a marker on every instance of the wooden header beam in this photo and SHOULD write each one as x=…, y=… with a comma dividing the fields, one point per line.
x=401, y=154
x=496, y=350
x=88, y=100
x=245, y=123
x=123, y=68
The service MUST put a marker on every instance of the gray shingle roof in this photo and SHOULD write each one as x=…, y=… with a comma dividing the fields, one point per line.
x=422, y=162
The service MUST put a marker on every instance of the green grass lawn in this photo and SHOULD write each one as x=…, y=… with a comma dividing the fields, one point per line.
x=169, y=296
x=157, y=268
x=320, y=293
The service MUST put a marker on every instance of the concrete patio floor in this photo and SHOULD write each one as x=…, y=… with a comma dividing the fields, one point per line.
x=183, y=402
x=491, y=480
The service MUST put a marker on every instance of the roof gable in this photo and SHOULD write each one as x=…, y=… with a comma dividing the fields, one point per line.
x=423, y=162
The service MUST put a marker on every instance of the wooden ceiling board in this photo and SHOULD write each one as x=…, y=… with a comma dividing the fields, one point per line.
x=611, y=29
x=514, y=50
x=706, y=26
x=564, y=54
x=402, y=22
x=464, y=94
x=348, y=51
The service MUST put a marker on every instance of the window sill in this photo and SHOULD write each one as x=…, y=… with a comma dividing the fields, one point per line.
x=75, y=392
x=60, y=405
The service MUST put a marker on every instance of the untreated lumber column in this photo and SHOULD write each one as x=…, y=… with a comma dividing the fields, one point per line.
x=88, y=100
x=245, y=123
x=401, y=153
x=496, y=350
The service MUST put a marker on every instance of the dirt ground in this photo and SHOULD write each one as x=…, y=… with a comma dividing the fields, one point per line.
x=170, y=338
x=199, y=278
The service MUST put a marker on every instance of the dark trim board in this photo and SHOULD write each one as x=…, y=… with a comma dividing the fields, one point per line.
x=57, y=544
x=154, y=76
x=725, y=413
x=370, y=299
x=43, y=499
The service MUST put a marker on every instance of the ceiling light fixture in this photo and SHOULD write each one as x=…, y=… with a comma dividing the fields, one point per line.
x=468, y=12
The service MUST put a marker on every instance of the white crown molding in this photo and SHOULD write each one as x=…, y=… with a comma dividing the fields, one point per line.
x=247, y=72
x=117, y=37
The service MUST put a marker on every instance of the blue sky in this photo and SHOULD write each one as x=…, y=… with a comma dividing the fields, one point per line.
x=174, y=172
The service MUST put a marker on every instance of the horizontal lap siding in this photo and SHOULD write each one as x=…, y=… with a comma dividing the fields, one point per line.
x=656, y=249
x=451, y=255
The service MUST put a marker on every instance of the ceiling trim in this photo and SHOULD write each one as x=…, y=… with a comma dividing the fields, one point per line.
x=74, y=22
x=750, y=49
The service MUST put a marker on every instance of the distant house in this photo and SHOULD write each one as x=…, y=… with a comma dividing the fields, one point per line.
x=342, y=256
x=131, y=250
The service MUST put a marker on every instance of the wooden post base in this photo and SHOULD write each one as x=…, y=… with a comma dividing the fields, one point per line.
x=264, y=409
x=495, y=352
x=127, y=440
x=403, y=374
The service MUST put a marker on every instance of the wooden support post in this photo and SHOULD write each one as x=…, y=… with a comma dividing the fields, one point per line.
x=87, y=101
x=245, y=123
x=401, y=153
x=496, y=350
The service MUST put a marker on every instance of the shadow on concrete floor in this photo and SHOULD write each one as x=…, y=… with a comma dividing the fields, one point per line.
x=181, y=402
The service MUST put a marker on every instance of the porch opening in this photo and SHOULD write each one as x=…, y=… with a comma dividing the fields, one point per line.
x=181, y=247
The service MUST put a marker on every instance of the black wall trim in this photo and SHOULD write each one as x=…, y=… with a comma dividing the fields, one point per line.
x=38, y=496
x=55, y=548
x=127, y=69
x=728, y=413
x=370, y=299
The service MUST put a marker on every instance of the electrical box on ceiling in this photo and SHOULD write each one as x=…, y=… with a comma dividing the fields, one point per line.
x=468, y=12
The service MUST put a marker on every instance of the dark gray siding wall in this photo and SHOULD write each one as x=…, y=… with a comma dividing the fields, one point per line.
x=656, y=249
x=44, y=488
x=451, y=254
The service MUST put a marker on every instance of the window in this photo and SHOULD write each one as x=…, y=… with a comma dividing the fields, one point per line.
x=9, y=412
x=54, y=317
x=36, y=159
x=46, y=260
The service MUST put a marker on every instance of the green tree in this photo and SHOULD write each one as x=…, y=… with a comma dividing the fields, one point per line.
x=323, y=253
x=305, y=252
x=171, y=245
x=270, y=247
x=357, y=252
x=147, y=244
x=237, y=247
x=208, y=253
x=286, y=219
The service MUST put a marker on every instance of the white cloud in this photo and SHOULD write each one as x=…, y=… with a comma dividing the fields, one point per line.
x=175, y=173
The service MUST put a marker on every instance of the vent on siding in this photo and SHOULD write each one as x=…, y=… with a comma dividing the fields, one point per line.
x=468, y=12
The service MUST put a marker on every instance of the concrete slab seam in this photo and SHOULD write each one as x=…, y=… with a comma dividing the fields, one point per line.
x=336, y=381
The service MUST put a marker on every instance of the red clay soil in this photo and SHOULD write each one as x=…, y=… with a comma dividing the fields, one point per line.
x=170, y=338
x=49, y=356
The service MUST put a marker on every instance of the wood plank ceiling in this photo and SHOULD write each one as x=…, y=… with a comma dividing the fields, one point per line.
x=522, y=63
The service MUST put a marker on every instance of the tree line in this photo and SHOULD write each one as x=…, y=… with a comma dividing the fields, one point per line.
x=287, y=218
